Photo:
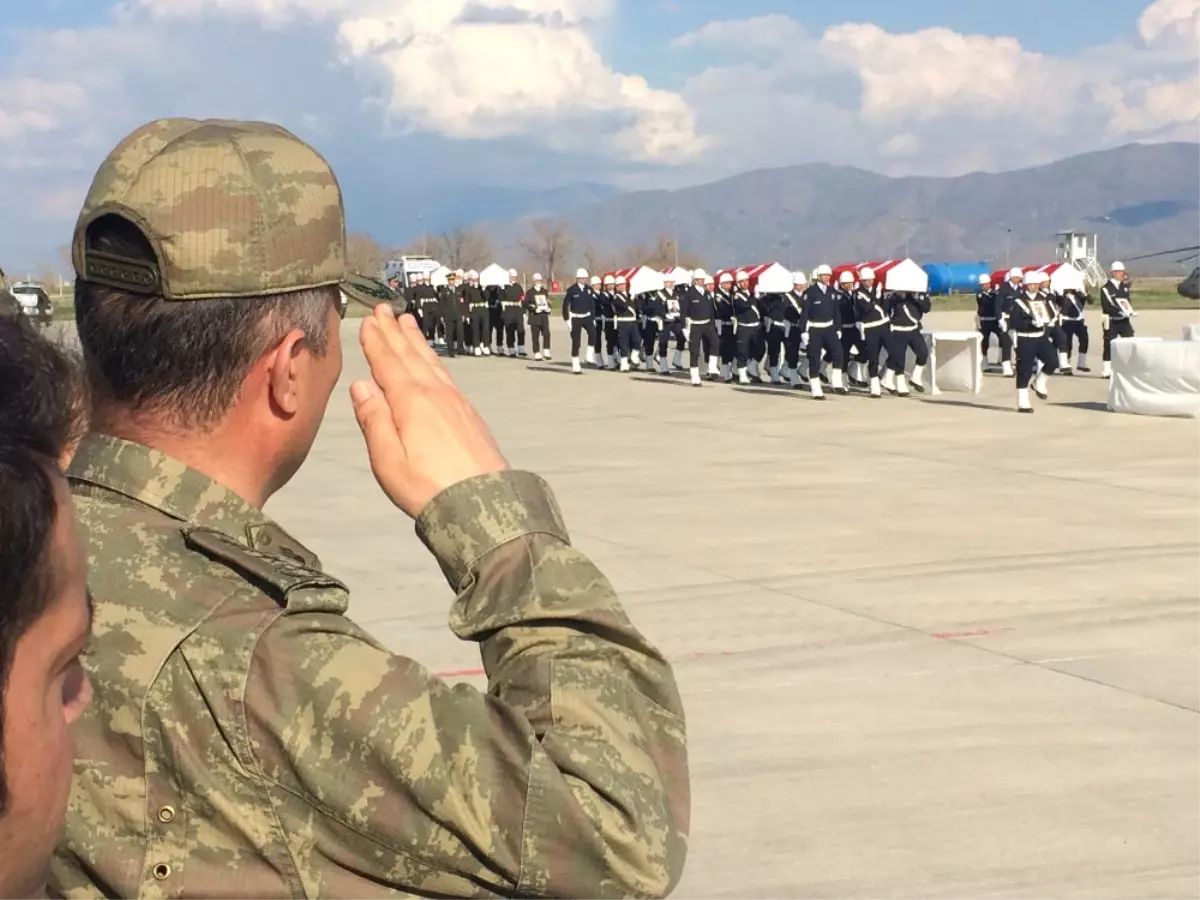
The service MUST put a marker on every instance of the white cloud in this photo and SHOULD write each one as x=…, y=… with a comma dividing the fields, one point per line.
x=937, y=101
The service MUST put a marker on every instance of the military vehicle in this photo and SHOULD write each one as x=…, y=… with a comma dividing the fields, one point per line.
x=34, y=301
x=1190, y=286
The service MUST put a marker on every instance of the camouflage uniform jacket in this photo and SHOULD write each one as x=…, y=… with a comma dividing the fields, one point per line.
x=248, y=740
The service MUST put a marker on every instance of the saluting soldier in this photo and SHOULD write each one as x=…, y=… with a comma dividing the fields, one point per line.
x=247, y=738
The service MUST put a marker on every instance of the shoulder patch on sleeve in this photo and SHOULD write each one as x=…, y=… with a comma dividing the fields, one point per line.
x=287, y=580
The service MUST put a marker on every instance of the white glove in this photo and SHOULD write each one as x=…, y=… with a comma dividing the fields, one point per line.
x=1104, y=322
x=787, y=329
x=862, y=331
x=978, y=323
x=1004, y=326
x=804, y=341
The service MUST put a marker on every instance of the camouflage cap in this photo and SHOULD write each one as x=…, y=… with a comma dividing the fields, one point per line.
x=232, y=209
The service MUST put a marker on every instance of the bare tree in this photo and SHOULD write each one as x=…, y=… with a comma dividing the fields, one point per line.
x=663, y=256
x=363, y=254
x=549, y=244
x=463, y=248
x=596, y=262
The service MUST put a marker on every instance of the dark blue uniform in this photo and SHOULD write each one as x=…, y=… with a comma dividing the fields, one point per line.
x=907, y=310
x=747, y=321
x=1074, y=324
x=699, y=309
x=579, y=308
x=851, y=338
x=673, y=323
x=1114, y=303
x=820, y=321
x=653, y=311
x=874, y=326
x=1028, y=319
x=537, y=307
x=625, y=319
x=723, y=311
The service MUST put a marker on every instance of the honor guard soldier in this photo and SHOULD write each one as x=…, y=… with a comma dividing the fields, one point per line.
x=820, y=325
x=1074, y=325
x=774, y=332
x=510, y=313
x=1005, y=295
x=672, y=324
x=851, y=336
x=746, y=322
x=874, y=326
x=537, y=305
x=450, y=311
x=606, y=328
x=426, y=299
x=477, y=312
x=726, y=335
x=1118, y=312
x=793, y=313
x=625, y=319
x=579, y=308
x=987, y=317
x=699, y=310
x=495, y=295
x=1027, y=320
x=1054, y=331
x=654, y=314
x=907, y=309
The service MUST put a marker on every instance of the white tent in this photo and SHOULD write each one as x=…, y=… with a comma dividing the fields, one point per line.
x=494, y=275
x=769, y=278
x=681, y=276
x=438, y=276
x=904, y=275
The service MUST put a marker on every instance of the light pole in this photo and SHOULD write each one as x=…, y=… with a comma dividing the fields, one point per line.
x=424, y=241
x=1008, y=249
x=675, y=220
x=1116, y=254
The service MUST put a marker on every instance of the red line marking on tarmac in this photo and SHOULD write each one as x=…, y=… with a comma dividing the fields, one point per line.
x=982, y=632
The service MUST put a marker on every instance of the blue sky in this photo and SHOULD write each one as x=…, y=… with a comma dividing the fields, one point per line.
x=407, y=95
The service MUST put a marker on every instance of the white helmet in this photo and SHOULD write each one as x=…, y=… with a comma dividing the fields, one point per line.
x=742, y=276
x=985, y=280
x=866, y=273
x=608, y=279
x=798, y=277
x=1034, y=278
x=537, y=276
x=581, y=273
x=669, y=278
x=708, y=279
x=822, y=270
x=1014, y=272
x=699, y=275
x=595, y=280
x=846, y=277
x=473, y=275
x=621, y=279
x=726, y=278
x=1118, y=267
x=512, y=273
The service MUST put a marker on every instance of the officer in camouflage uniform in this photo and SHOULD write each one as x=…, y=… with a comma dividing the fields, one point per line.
x=247, y=739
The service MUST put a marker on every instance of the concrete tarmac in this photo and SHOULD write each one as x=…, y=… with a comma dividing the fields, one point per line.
x=928, y=647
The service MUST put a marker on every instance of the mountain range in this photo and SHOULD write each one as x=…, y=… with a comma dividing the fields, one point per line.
x=1137, y=199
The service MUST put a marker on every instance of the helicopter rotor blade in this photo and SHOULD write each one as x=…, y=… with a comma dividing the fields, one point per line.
x=1164, y=253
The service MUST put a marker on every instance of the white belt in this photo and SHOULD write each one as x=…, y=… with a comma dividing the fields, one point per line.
x=828, y=324
x=1031, y=334
x=576, y=315
x=875, y=324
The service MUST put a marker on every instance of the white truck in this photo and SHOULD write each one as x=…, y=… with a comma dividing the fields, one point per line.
x=405, y=267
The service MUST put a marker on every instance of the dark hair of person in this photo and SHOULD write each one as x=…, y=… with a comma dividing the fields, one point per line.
x=42, y=413
x=182, y=362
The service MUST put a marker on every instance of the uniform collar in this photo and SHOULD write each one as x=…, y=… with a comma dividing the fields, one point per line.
x=176, y=490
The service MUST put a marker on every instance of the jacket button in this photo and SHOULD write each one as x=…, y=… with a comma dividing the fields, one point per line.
x=162, y=871
x=166, y=814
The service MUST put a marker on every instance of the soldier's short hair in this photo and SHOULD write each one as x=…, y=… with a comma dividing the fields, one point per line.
x=42, y=412
x=181, y=362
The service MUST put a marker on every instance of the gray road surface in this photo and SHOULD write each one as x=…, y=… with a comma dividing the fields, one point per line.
x=928, y=647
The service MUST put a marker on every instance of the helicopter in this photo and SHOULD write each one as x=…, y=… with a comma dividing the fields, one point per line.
x=1190, y=286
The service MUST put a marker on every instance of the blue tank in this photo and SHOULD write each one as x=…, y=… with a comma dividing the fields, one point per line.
x=955, y=278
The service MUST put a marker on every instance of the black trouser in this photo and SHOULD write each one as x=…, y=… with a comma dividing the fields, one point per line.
x=702, y=337
x=441, y=327
x=626, y=337
x=514, y=326
x=791, y=347
x=597, y=334
x=988, y=327
x=898, y=349
x=539, y=327
x=1029, y=351
x=727, y=342
x=479, y=326
x=747, y=341
x=774, y=338
x=1075, y=328
x=454, y=334
x=851, y=339
x=429, y=322
x=650, y=337
x=758, y=343
x=675, y=328
x=611, y=338
x=1117, y=328
x=823, y=342
x=1058, y=337
x=496, y=327
x=874, y=340
x=579, y=326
